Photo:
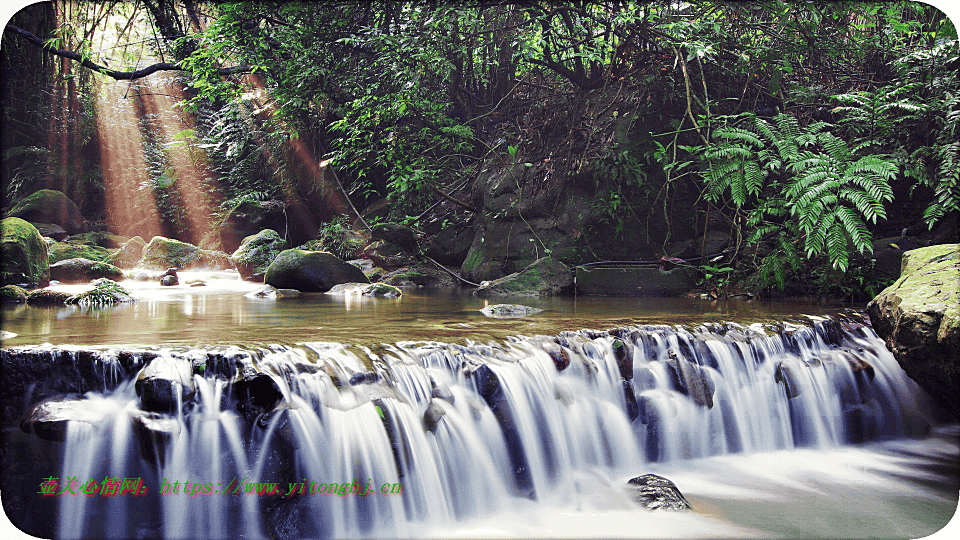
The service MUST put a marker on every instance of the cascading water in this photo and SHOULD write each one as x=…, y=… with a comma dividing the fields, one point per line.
x=440, y=434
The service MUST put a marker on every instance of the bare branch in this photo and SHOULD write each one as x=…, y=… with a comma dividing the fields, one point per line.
x=118, y=75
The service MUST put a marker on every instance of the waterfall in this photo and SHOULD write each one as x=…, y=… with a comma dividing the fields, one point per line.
x=396, y=439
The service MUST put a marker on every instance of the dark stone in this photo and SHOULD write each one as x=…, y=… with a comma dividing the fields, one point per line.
x=544, y=277
x=623, y=353
x=633, y=408
x=690, y=379
x=657, y=493
x=50, y=206
x=785, y=376
x=432, y=417
x=81, y=270
x=634, y=280
x=47, y=297
x=248, y=218
x=401, y=235
x=169, y=280
x=161, y=381
x=153, y=433
x=311, y=271
x=259, y=393
x=49, y=418
x=52, y=230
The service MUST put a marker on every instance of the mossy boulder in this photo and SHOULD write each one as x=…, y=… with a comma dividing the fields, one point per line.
x=47, y=297
x=919, y=319
x=311, y=271
x=129, y=253
x=99, y=238
x=12, y=294
x=419, y=276
x=256, y=252
x=61, y=251
x=105, y=292
x=162, y=253
x=545, y=277
x=81, y=270
x=50, y=206
x=24, y=254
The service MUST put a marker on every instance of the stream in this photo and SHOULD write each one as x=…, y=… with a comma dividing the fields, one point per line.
x=775, y=420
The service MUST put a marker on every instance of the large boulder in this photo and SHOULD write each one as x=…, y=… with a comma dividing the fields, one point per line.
x=129, y=253
x=81, y=270
x=545, y=277
x=61, y=251
x=23, y=253
x=247, y=218
x=256, y=252
x=311, y=271
x=163, y=253
x=919, y=319
x=50, y=206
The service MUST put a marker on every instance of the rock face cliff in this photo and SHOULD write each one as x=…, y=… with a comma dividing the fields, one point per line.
x=919, y=319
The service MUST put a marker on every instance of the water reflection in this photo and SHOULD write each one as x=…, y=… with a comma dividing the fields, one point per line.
x=219, y=313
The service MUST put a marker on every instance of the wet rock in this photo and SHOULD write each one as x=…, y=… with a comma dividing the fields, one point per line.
x=272, y=293
x=365, y=289
x=623, y=353
x=545, y=277
x=633, y=408
x=439, y=390
x=918, y=318
x=432, y=417
x=23, y=255
x=784, y=375
x=256, y=252
x=81, y=270
x=170, y=278
x=690, y=379
x=559, y=355
x=258, y=393
x=50, y=206
x=311, y=271
x=13, y=294
x=655, y=492
x=105, y=292
x=509, y=311
x=49, y=418
x=161, y=381
x=153, y=433
x=47, y=297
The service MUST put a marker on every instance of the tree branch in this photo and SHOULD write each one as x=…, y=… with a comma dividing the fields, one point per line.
x=118, y=75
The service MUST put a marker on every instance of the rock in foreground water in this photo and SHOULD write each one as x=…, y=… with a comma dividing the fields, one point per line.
x=311, y=271
x=657, y=493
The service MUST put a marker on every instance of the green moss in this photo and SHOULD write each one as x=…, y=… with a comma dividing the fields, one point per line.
x=12, y=294
x=473, y=261
x=104, y=293
x=61, y=251
x=47, y=297
x=24, y=254
x=162, y=253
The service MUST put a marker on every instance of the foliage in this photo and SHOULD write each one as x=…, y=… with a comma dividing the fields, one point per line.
x=813, y=188
x=337, y=237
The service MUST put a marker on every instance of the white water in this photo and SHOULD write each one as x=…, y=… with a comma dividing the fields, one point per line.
x=553, y=455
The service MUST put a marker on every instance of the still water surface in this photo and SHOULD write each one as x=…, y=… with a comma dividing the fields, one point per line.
x=219, y=314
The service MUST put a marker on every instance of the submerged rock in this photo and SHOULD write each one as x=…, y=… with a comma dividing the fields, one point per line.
x=657, y=493
x=272, y=293
x=23, y=255
x=47, y=297
x=311, y=271
x=919, y=319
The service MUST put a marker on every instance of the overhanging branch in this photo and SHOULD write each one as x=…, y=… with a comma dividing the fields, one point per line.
x=118, y=75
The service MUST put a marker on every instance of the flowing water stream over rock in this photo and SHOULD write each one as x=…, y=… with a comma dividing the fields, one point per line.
x=435, y=421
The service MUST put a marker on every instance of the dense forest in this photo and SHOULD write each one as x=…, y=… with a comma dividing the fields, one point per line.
x=779, y=147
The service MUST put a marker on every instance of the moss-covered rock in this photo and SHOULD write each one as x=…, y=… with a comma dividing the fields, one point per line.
x=81, y=270
x=162, y=253
x=545, y=277
x=61, y=251
x=105, y=292
x=919, y=319
x=256, y=252
x=50, y=206
x=129, y=253
x=12, y=294
x=23, y=253
x=419, y=276
x=311, y=271
x=47, y=297
x=99, y=238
